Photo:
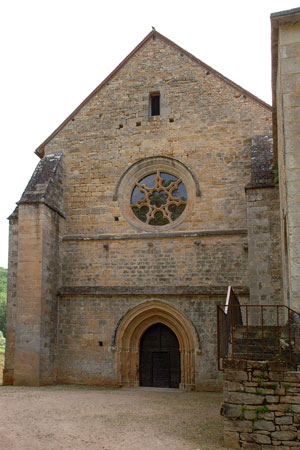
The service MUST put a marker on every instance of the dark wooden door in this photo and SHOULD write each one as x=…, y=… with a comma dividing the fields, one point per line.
x=159, y=357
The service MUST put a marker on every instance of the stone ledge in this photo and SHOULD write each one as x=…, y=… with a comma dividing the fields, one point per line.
x=41, y=202
x=157, y=235
x=260, y=186
x=150, y=290
x=273, y=366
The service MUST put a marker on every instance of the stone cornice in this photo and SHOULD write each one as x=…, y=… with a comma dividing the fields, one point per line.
x=157, y=235
x=150, y=290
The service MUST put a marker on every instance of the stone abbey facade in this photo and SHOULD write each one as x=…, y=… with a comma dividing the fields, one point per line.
x=151, y=198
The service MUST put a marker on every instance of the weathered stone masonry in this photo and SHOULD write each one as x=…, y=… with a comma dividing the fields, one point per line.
x=263, y=218
x=80, y=261
x=286, y=100
x=261, y=406
x=34, y=274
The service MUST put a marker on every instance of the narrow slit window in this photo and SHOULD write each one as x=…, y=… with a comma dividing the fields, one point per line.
x=155, y=104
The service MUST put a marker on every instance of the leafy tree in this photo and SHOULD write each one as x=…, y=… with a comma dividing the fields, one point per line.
x=2, y=340
x=3, y=291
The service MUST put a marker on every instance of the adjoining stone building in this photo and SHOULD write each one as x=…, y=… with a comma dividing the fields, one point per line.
x=151, y=198
x=261, y=401
x=286, y=101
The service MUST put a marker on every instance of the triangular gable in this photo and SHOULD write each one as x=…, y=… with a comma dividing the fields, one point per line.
x=152, y=35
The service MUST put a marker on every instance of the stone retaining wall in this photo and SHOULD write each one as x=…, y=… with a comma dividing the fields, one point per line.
x=261, y=406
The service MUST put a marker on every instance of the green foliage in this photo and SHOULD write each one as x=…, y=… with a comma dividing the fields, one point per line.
x=2, y=340
x=261, y=409
x=3, y=291
x=3, y=282
x=258, y=410
x=243, y=410
x=261, y=378
x=288, y=409
x=259, y=381
x=259, y=392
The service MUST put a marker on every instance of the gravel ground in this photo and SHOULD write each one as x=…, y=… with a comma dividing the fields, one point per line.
x=74, y=417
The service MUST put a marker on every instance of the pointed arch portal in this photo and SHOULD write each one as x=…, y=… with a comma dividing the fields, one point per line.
x=134, y=326
x=159, y=362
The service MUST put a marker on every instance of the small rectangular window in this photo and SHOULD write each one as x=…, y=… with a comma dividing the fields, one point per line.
x=155, y=104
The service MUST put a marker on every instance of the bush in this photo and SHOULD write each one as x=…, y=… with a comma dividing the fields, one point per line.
x=2, y=339
x=3, y=291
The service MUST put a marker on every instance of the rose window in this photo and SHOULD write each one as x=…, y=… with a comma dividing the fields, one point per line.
x=159, y=198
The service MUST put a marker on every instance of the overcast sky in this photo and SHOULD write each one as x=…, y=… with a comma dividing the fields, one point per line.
x=54, y=53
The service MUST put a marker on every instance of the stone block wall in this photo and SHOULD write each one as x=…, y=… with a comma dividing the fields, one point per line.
x=261, y=406
x=264, y=267
x=286, y=93
x=34, y=317
x=34, y=278
x=84, y=321
x=205, y=123
x=208, y=260
x=11, y=300
x=83, y=264
x=51, y=280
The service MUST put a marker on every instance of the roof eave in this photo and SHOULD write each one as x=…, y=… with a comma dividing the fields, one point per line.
x=40, y=150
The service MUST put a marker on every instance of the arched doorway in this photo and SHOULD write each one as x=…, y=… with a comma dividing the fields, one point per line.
x=135, y=323
x=159, y=357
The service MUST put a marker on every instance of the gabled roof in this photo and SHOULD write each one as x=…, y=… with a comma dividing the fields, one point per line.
x=153, y=35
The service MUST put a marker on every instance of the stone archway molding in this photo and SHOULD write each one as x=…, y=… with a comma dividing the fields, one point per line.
x=149, y=160
x=150, y=166
x=131, y=329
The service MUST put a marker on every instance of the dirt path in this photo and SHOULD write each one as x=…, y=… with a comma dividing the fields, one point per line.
x=70, y=417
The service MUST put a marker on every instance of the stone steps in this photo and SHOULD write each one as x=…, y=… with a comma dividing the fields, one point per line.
x=255, y=332
x=249, y=344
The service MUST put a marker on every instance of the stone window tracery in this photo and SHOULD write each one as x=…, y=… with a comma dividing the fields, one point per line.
x=157, y=193
x=159, y=198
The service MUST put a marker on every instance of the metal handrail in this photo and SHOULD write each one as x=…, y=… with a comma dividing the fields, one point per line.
x=227, y=320
x=284, y=327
